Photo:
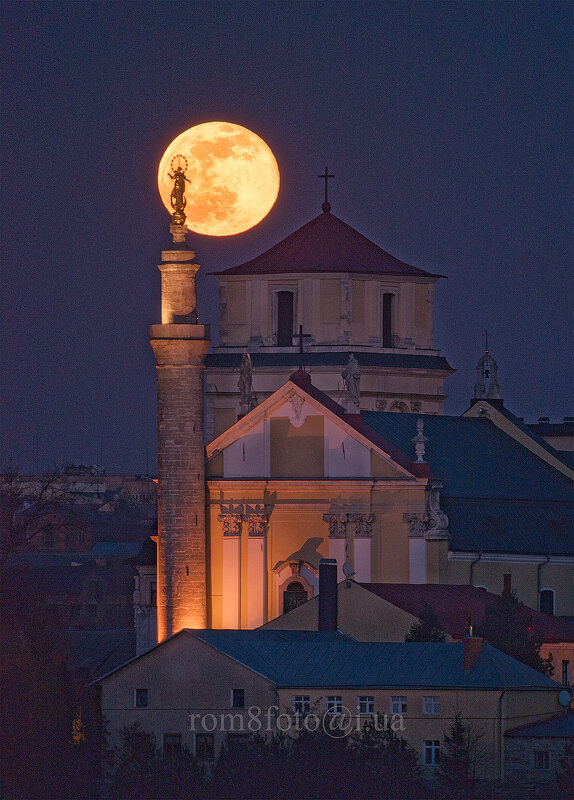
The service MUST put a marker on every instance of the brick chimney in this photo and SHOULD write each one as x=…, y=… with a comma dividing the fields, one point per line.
x=472, y=649
x=328, y=594
x=507, y=582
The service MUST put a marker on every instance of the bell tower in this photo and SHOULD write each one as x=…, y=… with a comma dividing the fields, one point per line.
x=180, y=345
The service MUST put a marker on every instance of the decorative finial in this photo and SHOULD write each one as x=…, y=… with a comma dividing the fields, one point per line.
x=326, y=205
x=177, y=198
x=419, y=441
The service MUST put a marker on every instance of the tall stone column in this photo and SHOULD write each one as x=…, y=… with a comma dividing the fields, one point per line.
x=180, y=346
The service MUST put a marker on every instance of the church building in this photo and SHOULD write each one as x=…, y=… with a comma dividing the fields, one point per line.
x=323, y=339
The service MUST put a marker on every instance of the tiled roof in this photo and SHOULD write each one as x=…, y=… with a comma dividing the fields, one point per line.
x=560, y=726
x=317, y=659
x=332, y=359
x=326, y=244
x=454, y=605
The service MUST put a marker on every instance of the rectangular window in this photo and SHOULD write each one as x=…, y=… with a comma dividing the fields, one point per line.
x=431, y=752
x=238, y=698
x=301, y=704
x=171, y=744
x=398, y=705
x=205, y=746
x=565, y=673
x=153, y=593
x=141, y=698
x=366, y=704
x=431, y=705
x=541, y=760
x=334, y=704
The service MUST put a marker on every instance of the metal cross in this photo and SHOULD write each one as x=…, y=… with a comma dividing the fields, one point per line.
x=301, y=336
x=326, y=176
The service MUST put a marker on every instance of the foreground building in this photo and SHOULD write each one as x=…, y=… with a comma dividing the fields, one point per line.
x=197, y=687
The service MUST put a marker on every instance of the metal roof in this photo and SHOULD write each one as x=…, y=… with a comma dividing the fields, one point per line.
x=315, y=659
x=326, y=244
x=561, y=726
x=510, y=526
x=474, y=458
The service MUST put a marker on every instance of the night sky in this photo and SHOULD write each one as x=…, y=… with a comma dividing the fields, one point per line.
x=448, y=127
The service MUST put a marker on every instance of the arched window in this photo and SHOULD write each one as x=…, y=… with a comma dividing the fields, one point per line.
x=293, y=596
x=284, y=319
x=388, y=302
x=547, y=601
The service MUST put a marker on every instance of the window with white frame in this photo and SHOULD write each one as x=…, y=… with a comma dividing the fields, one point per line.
x=431, y=752
x=541, y=759
x=366, y=704
x=301, y=704
x=431, y=704
x=398, y=704
x=334, y=704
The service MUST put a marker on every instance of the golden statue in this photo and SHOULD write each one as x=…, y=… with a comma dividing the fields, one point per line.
x=177, y=198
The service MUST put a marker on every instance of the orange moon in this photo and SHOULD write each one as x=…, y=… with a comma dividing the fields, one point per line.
x=233, y=177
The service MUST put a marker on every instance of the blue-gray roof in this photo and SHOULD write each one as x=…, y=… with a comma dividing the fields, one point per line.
x=474, y=458
x=498, y=495
x=561, y=727
x=318, y=660
x=331, y=359
x=510, y=526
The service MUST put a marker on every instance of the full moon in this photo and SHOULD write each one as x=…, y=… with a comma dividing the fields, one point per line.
x=232, y=177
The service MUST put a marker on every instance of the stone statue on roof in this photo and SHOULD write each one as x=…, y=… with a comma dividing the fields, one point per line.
x=352, y=378
x=245, y=384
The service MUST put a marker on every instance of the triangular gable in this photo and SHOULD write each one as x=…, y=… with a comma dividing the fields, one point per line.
x=512, y=426
x=298, y=400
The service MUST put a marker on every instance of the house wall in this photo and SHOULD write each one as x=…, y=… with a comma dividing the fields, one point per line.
x=524, y=571
x=479, y=709
x=182, y=677
x=361, y=614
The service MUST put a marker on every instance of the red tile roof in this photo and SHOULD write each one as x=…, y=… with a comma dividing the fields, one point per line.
x=326, y=244
x=454, y=604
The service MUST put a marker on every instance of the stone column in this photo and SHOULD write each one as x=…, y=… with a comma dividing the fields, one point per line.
x=180, y=346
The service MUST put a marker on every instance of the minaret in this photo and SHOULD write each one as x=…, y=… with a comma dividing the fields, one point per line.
x=180, y=346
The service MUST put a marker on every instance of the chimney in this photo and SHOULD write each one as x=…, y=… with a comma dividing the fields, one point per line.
x=328, y=594
x=507, y=582
x=472, y=649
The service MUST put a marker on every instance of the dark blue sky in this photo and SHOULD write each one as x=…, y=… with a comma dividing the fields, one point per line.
x=448, y=127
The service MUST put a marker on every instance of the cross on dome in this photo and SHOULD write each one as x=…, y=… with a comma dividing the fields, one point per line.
x=326, y=205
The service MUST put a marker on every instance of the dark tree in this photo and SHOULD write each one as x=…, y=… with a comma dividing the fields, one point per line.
x=506, y=626
x=140, y=772
x=461, y=759
x=427, y=628
x=29, y=509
